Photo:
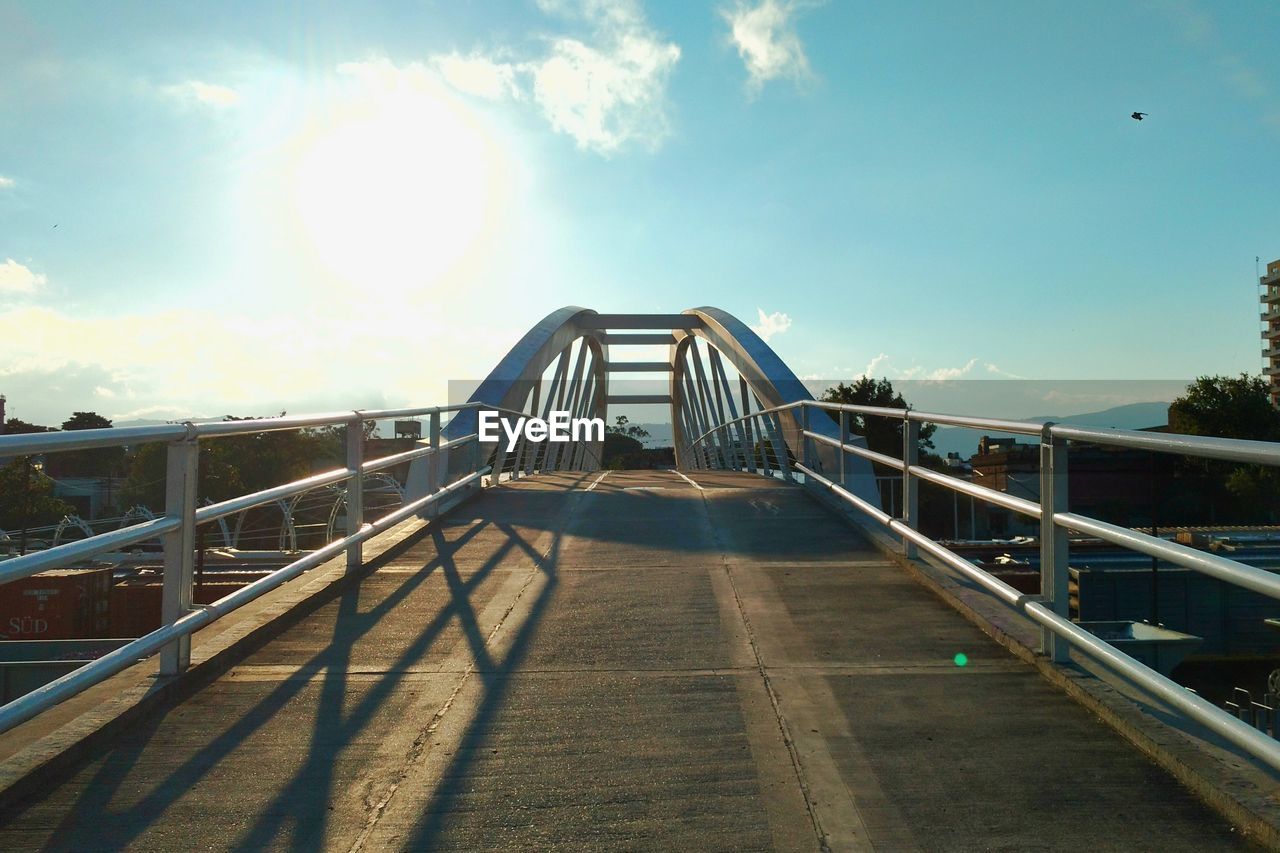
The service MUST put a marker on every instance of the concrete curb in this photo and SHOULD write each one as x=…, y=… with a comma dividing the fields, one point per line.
x=1244, y=793
x=53, y=744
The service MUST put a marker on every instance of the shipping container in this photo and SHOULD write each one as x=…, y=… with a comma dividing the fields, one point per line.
x=60, y=604
x=135, y=603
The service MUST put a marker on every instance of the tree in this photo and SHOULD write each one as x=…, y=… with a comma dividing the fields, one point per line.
x=96, y=462
x=1226, y=407
x=86, y=420
x=26, y=497
x=621, y=427
x=239, y=464
x=17, y=426
x=883, y=435
x=1230, y=407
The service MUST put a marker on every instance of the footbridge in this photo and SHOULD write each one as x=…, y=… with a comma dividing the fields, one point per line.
x=751, y=650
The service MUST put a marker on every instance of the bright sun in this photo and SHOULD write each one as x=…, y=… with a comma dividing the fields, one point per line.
x=398, y=192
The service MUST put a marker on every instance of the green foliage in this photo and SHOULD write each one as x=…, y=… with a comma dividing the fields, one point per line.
x=237, y=465
x=26, y=497
x=1229, y=407
x=97, y=462
x=883, y=435
x=620, y=448
x=621, y=428
x=17, y=426
x=86, y=420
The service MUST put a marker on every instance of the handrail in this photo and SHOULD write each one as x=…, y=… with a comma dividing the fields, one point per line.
x=180, y=616
x=1215, y=719
x=394, y=459
x=24, y=444
x=1050, y=609
x=16, y=568
x=29, y=705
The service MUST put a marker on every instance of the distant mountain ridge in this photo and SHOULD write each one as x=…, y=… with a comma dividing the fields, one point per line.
x=964, y=440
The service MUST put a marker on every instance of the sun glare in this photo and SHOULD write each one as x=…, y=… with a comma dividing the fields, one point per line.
x=398, y=191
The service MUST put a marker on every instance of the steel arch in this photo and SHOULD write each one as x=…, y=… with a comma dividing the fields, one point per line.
x=772, y=383
x=516, y=383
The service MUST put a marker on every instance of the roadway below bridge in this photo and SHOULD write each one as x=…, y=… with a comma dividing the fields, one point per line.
x=633, y=660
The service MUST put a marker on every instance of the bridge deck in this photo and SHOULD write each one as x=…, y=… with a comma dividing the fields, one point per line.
x=630, y=662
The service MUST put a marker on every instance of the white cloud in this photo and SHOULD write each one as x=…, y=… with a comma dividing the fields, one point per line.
x=875, y=364
x=5, y=182
x=952, y=372
x=606, y=92
x=478, y=75
x=771, y=324
x=207, y=94
x=881, y=366
x=938, y=374
x=16, y=278
x=765, y=37
x=607, y=98
x=996, y=370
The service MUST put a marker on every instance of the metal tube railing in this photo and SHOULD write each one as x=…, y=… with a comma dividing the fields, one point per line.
x=1049, y=609
x=1206, y=447
x=879, y=458
x=71, y=552
x=181, y=618
x=1231, y=571
x=63, y=688
x=1215, y=719
x=383, y=462
x=25, y=444
x=991, y=496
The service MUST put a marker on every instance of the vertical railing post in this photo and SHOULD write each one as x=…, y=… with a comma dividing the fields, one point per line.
x=764, y=447
x=355, y=489
x=181, y=474
x=844, y=439
x=910, y=485
x=806, y=453
x=434, y=476
x=1054, y=545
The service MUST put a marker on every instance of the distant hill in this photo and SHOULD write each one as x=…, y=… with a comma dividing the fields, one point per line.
x=964, y=441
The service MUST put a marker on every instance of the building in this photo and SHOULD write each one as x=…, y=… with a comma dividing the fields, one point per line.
x=1270, y=298
x=1115, y=484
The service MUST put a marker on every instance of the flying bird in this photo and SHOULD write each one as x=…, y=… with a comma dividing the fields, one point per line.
x=1138, y=116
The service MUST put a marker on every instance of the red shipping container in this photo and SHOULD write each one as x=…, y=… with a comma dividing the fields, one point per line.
x=60, y=604
x=135, y=603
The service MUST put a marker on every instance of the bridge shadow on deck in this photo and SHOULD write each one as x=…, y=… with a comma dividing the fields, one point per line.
x=300, y=811
x=435, y=702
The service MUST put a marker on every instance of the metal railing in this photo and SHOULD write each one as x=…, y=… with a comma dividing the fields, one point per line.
x=716, y=448
x=180, y=617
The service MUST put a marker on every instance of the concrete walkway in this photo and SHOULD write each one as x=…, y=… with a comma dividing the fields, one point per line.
x=638, y=661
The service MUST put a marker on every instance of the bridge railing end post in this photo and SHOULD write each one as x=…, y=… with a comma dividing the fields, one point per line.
x=182, y=471
x=355, y=489
x=910, y=484
x=1055, y=554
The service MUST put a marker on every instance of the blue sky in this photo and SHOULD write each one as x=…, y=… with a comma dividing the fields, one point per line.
x=302, y=206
